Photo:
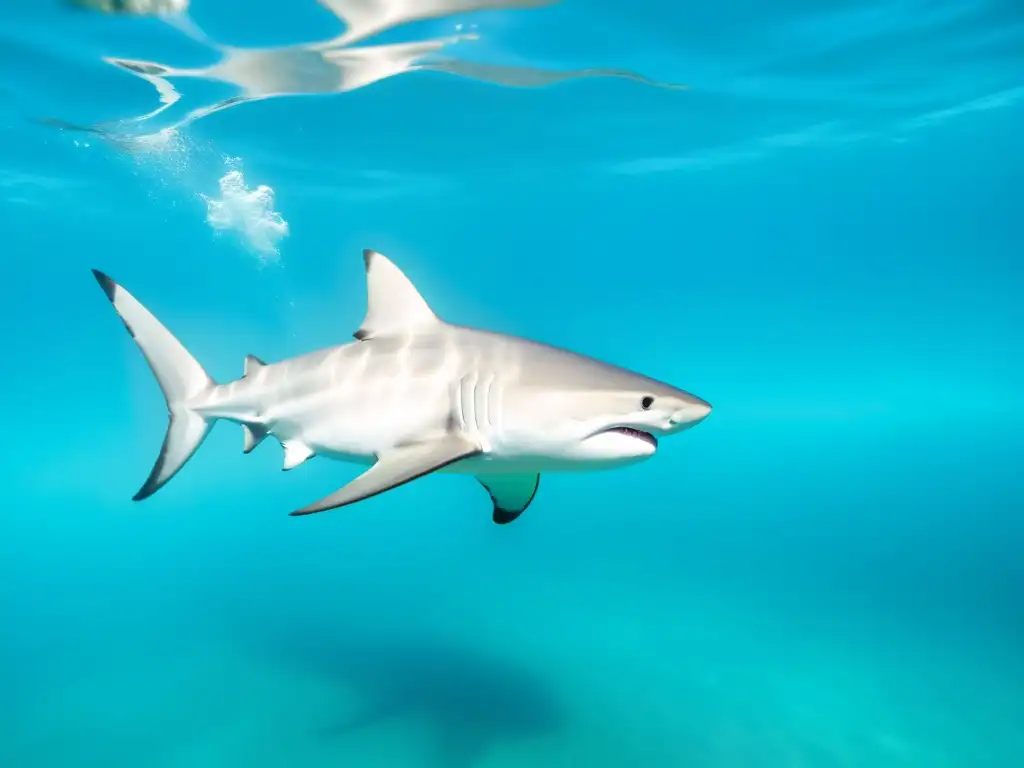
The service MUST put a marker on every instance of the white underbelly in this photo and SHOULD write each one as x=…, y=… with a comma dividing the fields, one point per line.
x=357, y=428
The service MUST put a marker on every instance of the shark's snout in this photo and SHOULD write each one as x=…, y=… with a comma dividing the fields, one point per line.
x=693, y=412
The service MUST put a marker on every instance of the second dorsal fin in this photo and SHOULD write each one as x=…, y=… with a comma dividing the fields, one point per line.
x=393, y=305
x=252, y=364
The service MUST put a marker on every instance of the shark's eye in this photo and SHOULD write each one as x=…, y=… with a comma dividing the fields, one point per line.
x=647, y=402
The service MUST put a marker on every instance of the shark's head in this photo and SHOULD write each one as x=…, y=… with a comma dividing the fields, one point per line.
x=625, y=425
x=594, y=414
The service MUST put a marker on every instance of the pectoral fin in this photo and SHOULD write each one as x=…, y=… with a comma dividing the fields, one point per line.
x=397, y=467
x=511, y=494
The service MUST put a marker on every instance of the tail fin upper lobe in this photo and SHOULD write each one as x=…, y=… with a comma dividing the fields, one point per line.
x=180, y=377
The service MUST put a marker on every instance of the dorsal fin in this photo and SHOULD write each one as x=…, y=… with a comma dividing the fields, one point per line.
x=252, y=364
x=393, y=305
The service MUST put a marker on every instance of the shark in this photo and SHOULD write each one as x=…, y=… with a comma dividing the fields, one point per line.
x=413, y=394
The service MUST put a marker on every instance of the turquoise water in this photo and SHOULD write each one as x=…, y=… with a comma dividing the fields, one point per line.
x=820, y=234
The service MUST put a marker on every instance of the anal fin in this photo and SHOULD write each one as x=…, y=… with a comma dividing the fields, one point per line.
x=295, y=452
x=253, y=435
x=511, y=494
x=397, y=467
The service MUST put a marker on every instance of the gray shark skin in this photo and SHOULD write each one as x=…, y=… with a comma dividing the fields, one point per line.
x=412, y=395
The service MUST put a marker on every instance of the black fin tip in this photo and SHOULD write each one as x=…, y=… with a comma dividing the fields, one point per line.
x=109, y=286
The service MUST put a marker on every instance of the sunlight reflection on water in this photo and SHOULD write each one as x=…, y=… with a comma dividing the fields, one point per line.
x=331, y=66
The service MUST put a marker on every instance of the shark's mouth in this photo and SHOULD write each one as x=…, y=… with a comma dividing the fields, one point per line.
x=638, y=434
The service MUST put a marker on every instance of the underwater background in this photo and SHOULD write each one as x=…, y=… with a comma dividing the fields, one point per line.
x=808, y=213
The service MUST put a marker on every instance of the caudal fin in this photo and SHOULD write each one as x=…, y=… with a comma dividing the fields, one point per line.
x=181, y=378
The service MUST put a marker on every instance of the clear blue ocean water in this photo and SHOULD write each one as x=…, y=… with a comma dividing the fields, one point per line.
x=821, y=234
